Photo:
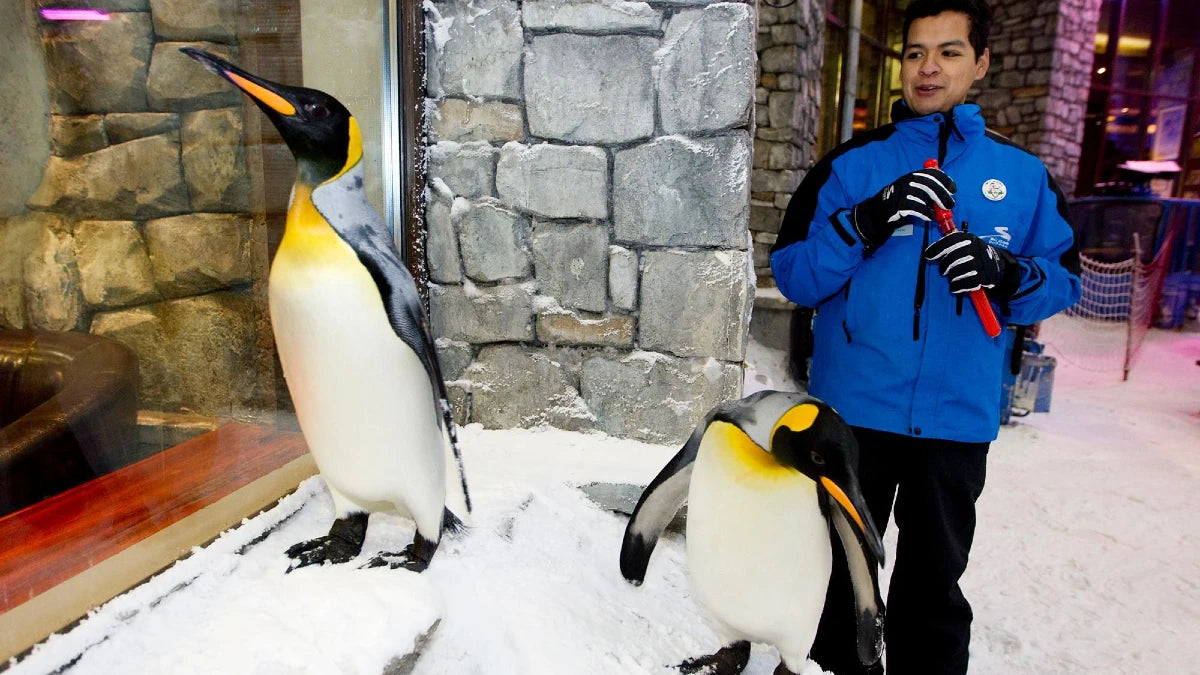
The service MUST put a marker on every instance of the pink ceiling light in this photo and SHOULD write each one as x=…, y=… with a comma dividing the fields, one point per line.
x=64, y=14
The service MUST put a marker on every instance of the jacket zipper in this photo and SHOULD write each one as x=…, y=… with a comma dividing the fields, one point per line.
x=919, y=295
x=945, y=127
x=846, y=298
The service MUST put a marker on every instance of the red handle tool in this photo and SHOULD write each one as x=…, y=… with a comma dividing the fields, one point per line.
x=945, y=220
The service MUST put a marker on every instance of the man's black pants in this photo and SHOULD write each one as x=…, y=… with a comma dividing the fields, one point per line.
x=935, y=484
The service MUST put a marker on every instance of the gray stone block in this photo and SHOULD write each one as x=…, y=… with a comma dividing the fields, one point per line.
x=590, y=89
x=677, y=191
x=494, y=242
x=591, y=16
x=495, y=314
x=554, y=181
x=465, y=120
x=76, y=135
x=123, y=127
x=178, y=82
x=441, y=243
x=707, y=69
x=476, y=49
x=695, y=303
x=568, y=328
x=98, y=66
x=134, y=180
x=214, y=20
x=781, y=59
x=199, y=252
x=195, y=353
x=468, y=169
x=19, y=237
x=214, y=160
x=53, y=300
x=572, y=264
x=622, y=277
x=653, y=397
x=519, y=387
x=114, y=265
x=454, y=357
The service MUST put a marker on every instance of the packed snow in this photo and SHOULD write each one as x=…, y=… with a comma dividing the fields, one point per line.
x=1086, y=560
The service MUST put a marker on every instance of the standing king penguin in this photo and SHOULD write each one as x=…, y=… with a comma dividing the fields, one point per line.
x=353, y=339
x=766, y=479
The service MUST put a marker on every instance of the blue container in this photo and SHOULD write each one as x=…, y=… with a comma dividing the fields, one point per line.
x=1180, y=290
x=1029, y=390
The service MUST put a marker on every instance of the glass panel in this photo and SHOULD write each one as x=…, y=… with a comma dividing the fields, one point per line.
x=1094, y=131
x=1190, y=177
x=866, y=102
x=1131, y=69
x=1164, y=134
x=831, y=84
x=1101, y=75
x=1122, y=136
x=145, y=197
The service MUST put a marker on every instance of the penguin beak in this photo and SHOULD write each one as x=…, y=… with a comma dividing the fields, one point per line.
x=266, y=94
x=853, y=506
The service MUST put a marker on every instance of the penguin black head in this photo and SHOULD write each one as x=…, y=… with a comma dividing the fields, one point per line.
x=815, y=440
x=318, y=129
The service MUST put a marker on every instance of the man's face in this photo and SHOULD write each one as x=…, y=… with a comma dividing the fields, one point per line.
x=939, y=64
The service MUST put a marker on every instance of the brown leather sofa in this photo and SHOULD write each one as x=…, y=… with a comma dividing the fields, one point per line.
x=68, y=412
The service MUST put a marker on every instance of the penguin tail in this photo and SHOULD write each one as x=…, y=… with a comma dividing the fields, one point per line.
x=452, y=524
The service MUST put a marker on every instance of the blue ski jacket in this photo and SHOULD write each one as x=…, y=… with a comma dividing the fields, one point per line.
x=893, y=349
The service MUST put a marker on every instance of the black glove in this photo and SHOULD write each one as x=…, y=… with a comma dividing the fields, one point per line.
x=971, y=263
x=913, y=194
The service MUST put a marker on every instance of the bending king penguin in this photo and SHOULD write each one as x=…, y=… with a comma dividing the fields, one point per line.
x=353, y=339
x=766, y=480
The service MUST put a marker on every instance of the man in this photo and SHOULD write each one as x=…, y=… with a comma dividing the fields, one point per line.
x=897, y=351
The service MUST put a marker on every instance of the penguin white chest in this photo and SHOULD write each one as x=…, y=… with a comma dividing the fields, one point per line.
x=758, y=547
x=362, y=396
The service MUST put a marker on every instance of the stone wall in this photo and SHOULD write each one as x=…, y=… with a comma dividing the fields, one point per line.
x=1036, y=92
x=139, y=228
x=787, y=102
x=587, y=217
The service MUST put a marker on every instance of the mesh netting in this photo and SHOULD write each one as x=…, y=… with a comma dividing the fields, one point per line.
x=1103, y=332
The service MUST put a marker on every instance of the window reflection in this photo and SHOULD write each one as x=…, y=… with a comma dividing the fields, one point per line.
x=1143, y=100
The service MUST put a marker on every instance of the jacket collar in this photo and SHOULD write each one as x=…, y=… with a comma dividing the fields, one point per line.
x=956, y=128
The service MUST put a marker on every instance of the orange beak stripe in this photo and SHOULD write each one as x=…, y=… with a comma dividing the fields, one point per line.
x=844, y=501
x=274, y=101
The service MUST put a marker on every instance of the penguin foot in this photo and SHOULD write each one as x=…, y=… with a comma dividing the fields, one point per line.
x=783, y=670
x=344, y=541
x=728, y=660
x=415, y=557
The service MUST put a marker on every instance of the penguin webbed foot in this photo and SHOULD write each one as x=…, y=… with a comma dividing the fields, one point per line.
x=415, y=557
x=781, y=669
x=728, y=660
x=344, y=541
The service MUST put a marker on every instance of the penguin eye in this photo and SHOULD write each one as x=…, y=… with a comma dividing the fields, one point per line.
x=817, y=458
x=316, y=111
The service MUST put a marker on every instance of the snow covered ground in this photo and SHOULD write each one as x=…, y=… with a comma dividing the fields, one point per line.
x=1087, y=560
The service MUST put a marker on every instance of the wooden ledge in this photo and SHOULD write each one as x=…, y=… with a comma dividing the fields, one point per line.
x=65, y=555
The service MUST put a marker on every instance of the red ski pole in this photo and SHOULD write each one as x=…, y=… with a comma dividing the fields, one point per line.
x=983, y=307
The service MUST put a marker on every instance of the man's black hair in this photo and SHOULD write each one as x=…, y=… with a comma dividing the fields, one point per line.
x=978, y=14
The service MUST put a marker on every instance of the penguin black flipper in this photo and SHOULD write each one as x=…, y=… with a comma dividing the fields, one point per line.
x=659, y=503
x=359, y=225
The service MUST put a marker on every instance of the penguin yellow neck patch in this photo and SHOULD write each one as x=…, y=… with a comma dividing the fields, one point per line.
x=354, y=149
x=742, y=456
x=307, y=235
x=269, y=98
